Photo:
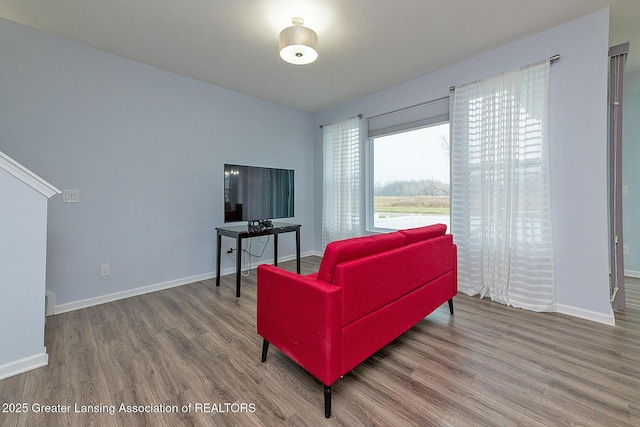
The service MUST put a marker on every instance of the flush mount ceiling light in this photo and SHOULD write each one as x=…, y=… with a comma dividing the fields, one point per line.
x=298, y=44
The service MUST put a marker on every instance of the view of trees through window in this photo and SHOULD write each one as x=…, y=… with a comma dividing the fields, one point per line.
x=411, y=178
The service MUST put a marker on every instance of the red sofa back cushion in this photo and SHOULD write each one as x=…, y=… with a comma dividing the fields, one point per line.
x=414, y=235
x=369, y=283
x=346, y=250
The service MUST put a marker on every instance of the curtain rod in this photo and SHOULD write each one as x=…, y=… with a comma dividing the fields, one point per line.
x=326, y=124
x=553, y=59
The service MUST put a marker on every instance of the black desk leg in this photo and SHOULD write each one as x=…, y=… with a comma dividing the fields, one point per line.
x=298, y=250
x=238, y=264
x=275, y=249
x=219, y=245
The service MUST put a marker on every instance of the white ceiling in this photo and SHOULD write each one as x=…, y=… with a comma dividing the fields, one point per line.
x=364, y=46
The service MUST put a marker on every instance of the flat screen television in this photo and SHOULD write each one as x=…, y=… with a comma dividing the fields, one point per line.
x=254, y=194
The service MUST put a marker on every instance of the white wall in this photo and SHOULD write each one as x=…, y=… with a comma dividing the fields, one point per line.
x=578, y=156
x=145, y=148
x=23, y=231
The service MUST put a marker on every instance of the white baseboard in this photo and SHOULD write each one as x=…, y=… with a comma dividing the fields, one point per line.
x=50, y=303
x=606, y=319
x=632, y=273
x=102, y=299
x=90, y=302
x=23, y=365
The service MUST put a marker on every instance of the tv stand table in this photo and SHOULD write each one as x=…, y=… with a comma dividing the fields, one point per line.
x=240, y=232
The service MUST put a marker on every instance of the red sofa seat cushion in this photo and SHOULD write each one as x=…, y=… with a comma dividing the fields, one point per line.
x=346, y=250
x=414, y=235
x=368, y=334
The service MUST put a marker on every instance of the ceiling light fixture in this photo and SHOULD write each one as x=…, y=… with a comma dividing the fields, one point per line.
x=298, y=44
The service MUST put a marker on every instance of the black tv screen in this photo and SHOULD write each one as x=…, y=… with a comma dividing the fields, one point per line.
x=253, y=193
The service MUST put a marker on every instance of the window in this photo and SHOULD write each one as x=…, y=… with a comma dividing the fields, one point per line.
x=411, y=178
x=408, y=167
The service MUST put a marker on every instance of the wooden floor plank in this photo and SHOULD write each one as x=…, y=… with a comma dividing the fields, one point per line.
x=197, y=346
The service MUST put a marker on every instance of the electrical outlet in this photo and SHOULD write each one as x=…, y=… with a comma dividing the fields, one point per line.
x=625, y=249
x=104, y=270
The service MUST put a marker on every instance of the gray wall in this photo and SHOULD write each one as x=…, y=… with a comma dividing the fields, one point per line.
x=578, y=118
x=23, y=243
x=146, y=149
x=630, y=171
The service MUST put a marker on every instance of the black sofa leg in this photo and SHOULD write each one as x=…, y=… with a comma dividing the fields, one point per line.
x=327, y=401
x=451, y=306
x=265, y=348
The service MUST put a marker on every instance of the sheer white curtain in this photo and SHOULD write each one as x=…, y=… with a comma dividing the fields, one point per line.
x=341, y=180
x=501, y=208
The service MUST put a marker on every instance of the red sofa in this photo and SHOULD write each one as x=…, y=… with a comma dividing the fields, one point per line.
x=367, y=292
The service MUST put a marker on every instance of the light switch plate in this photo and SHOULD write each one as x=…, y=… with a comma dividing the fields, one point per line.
x=70, y=196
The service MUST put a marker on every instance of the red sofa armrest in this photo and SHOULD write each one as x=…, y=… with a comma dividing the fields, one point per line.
x=301, y=316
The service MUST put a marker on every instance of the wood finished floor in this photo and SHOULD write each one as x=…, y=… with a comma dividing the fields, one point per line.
x=486, y=365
